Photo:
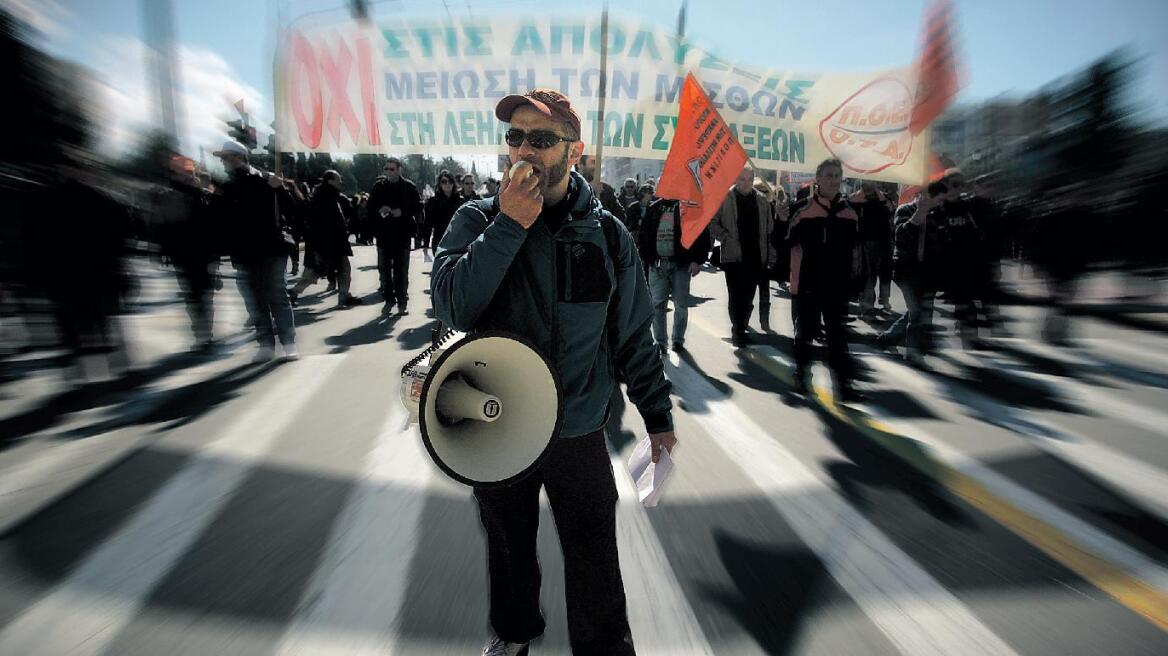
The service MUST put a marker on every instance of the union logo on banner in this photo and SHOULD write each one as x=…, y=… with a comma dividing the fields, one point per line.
x=870, y=131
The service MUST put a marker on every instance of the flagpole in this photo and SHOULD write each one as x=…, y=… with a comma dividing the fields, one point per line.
x=597, y=180
x=277, y=163
x=926, y=140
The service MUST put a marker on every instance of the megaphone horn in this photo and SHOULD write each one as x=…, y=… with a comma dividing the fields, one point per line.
x=488, y=406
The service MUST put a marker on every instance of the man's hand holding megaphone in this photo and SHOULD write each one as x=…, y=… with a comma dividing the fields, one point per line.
x=520, y=196
x=660, y=441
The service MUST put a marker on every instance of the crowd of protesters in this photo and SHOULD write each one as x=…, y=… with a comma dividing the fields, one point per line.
x=838, y=248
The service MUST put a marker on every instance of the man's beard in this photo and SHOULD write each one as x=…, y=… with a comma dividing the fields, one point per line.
x=554, y=174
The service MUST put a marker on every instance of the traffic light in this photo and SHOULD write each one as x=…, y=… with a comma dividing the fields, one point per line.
x=240, y=131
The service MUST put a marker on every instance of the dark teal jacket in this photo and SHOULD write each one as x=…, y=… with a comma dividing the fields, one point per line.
x=491, y=274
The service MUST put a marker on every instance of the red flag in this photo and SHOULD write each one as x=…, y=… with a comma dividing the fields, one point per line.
x=703, y=161
x=937, y=80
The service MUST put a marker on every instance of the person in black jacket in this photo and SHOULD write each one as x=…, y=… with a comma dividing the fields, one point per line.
x=394, y=205
x=875, y=246
x=823, y=232
x=329, y=236
x=669, y=266
x=252, y=212
x=963, y=252
x=439, y=208
x=635, y=212
x=467, y=189
x=604, y=191
x=187, y=236
x=917, y=269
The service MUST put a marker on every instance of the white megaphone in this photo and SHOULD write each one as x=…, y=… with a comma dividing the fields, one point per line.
x=488, y=405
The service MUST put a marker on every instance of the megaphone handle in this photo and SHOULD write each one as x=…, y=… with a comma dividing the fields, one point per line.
x=439, y=337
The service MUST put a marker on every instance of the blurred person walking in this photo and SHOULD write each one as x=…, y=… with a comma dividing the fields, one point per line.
x=670, y=267
x=1061, y=249
x=394, y=205
x=439, y=208
x=963, y=254
x=744, y=226
x=467, y=191
x=87, y=279
x=329, y=237
x=875, y=248
x=823, y=235
x=259, y=250
x=781, y=207
x=189, y=238
x=636, y=212
x=604, y=191
x=492, y=188
x=993, y=216
x=917, y=269
x=764, y=282
x=630, y=193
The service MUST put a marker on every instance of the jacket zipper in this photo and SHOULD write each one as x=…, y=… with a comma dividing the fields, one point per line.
x=554, y=310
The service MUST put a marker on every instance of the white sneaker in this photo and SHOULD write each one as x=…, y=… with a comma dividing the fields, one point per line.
x=496, y=646
x=264, y=354
x=290, y=352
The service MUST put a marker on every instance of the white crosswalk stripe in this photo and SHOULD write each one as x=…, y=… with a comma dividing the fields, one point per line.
x=661, y=619
x=358, y=589
x=86, y=611
x=915, y=612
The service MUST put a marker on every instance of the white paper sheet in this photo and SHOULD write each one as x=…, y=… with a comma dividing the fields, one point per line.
x=649, y=476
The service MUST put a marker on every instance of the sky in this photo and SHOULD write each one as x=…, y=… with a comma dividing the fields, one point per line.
x=1009, y=47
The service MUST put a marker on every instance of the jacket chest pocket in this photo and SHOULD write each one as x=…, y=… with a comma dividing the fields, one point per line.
x=581, y=274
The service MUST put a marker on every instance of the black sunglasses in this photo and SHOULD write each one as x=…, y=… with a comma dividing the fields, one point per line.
x=539, y=139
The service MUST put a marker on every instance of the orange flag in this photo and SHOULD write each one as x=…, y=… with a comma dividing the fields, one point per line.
x=703, y=161
x=937, y=168
x=937, y=81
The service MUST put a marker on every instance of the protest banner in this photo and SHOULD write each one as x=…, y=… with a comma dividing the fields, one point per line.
x=429, y=86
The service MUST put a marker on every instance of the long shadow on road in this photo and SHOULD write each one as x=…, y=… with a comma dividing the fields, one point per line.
x=85, y=397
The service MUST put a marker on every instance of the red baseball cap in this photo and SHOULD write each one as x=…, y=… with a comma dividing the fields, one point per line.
x=549, y=102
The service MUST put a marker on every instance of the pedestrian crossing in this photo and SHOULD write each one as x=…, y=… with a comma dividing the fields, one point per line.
x=353, y=603
x=741, y=453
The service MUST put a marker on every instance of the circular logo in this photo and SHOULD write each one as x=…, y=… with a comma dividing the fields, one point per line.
x=869, y=131
x=491, y=409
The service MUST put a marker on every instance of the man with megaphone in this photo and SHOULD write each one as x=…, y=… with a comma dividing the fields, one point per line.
x=543, y=260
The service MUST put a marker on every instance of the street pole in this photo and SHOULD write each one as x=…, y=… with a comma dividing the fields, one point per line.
x=159, y=27
x=596, y=178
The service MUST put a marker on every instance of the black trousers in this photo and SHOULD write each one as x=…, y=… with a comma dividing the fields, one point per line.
x=742, y=281
x=832, y=310
x=197, y=284
x=393, y=268
x=577, y=475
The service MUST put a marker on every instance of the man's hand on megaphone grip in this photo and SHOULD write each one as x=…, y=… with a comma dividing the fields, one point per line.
x=658, y=441
x=521, y=199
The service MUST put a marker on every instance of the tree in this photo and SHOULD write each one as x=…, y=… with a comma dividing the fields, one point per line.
x=454, y=166
x=348, y=182
x=366, y=168
x=149, y=160
x=318, y=163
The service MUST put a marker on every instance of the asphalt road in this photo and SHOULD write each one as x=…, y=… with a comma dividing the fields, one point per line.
x=1007, y=501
